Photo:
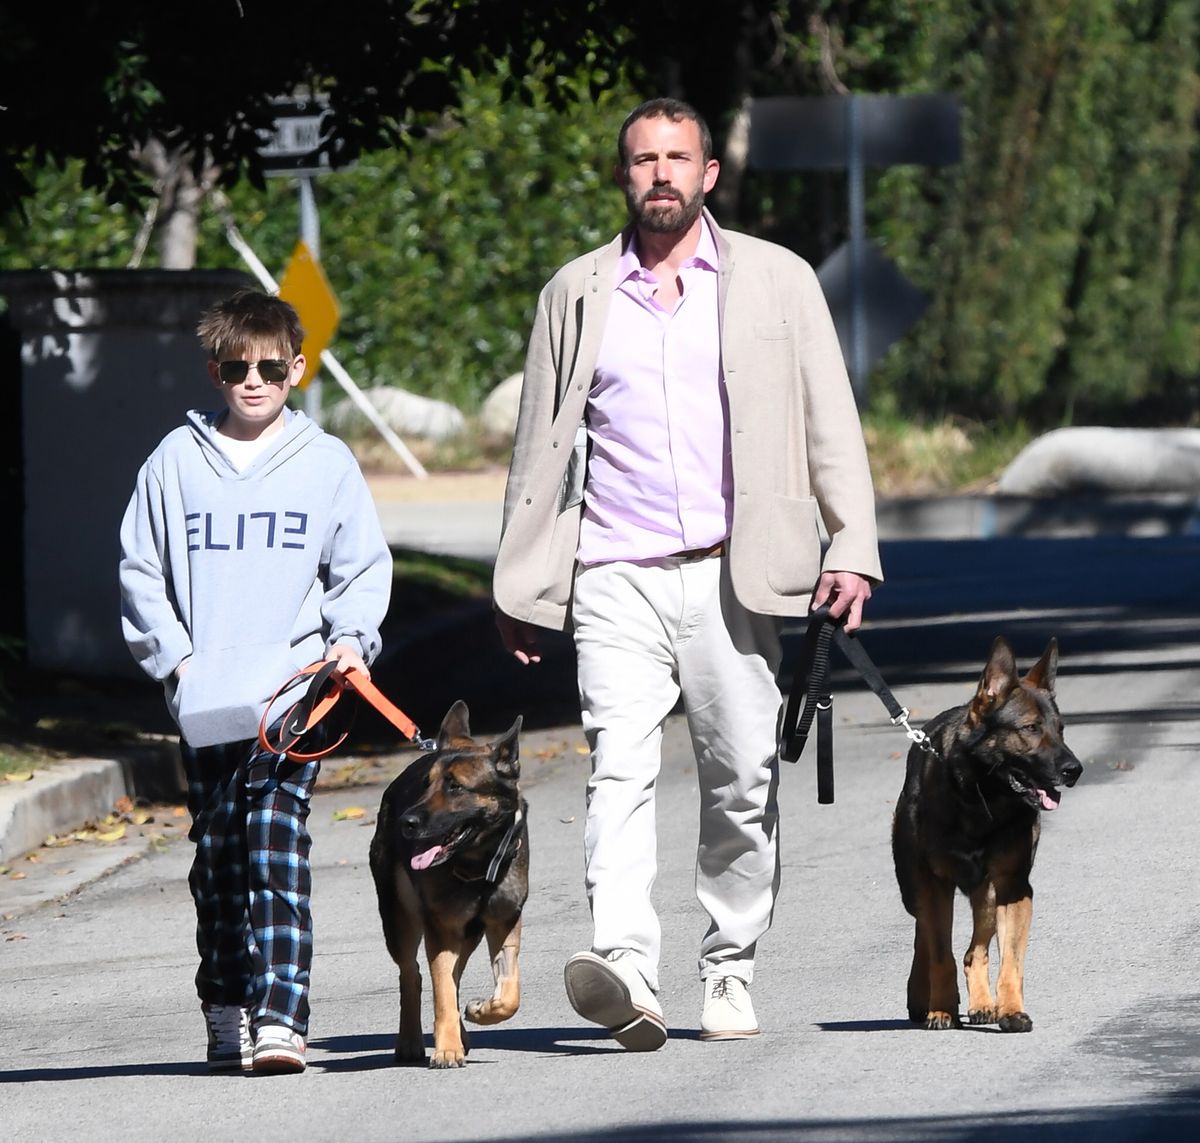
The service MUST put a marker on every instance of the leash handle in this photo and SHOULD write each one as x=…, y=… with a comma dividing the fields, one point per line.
x=809, y=685
x=321, y=696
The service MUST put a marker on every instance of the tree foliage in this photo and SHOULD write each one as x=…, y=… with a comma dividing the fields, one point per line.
x=202, y=76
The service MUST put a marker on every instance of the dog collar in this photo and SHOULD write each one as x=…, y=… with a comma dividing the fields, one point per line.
x=493, y=870
x=501, y=854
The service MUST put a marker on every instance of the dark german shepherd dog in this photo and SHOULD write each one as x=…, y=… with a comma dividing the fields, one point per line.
x=968, y=817
x=450, y=858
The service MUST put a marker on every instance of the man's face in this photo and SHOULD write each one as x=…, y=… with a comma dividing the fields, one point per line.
x=665, y=177
x=256, y=404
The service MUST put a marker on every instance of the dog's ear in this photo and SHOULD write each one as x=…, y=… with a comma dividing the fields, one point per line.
x=1045, y=670
x=456, y=725
x=998, y=679
x=506, y=753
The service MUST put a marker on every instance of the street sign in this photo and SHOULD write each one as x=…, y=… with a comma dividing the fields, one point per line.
x=304, y=285
x=789, y=133
x=889, y=305
x=812, y=133
x=299, y=141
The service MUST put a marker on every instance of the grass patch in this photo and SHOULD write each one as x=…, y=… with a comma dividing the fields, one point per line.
x=471, y=451
x=422, y=582
x=19, y=758
x=952, y=456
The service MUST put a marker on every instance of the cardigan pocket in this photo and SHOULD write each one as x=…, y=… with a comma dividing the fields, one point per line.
x=772, y=331
x=793, y=545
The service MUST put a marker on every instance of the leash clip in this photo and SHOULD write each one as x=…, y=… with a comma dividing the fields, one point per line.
x=915, y=734
x=422, y=743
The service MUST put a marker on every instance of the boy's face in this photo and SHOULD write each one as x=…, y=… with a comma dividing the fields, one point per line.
x=255, y=404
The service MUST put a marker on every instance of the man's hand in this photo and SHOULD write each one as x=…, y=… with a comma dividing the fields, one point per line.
x=347, y=659
x=845, y=592
x=520, y=638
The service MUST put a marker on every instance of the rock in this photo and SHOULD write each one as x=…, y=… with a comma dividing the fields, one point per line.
x=498, y=416
x=1129, y=461
x=406, y=414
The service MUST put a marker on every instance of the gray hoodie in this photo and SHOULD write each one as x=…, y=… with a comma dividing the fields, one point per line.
x=253, y=574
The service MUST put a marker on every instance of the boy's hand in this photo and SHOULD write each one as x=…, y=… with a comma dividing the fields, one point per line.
x=347, y=659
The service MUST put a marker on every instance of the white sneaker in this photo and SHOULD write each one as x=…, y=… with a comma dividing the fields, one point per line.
x=230, y=1046
x=728, y=1013
x=278, y=1050
x=611, y=992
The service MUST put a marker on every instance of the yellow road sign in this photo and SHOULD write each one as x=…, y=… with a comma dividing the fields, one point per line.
x=305, y=286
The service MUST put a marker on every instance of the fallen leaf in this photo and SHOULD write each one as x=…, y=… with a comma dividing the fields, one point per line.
x=180, y=811
x=19, y=776
x=17, y=937
x=582, y=750
x=32, y=857
x=4, y=869
x=143, y=817
x=567, y=821
x=18, y=876
x=113, y=834
x=349, y=813
x=124, y=804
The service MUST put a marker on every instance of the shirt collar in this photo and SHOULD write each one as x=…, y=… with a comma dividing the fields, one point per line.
x=706, y=257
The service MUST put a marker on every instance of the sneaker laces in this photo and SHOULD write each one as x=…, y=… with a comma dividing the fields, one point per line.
x=228, y=1027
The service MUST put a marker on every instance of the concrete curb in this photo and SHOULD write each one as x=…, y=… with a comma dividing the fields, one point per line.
x=55, y=800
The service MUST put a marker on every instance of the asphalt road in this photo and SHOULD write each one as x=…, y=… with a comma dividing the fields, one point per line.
x=101, y=1037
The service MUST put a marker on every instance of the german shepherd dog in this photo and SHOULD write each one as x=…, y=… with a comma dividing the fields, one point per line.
x=450, y=858
x=969, y=817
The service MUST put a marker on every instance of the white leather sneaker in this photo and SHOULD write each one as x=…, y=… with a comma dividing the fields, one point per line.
x=611, y=992
x=278, y=1050
x=728, y=1013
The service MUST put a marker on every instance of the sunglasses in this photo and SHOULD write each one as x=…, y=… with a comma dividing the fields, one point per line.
x=271, y=369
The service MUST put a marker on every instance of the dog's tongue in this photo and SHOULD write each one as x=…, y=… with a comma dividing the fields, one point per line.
x=1049, y=802
x=425, y=859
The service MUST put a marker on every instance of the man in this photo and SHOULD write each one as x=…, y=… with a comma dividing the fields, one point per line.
x=684, y=416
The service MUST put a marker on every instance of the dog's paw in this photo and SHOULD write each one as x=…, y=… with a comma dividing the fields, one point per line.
x=981, y=1016
x=490, y=1011
x=1016, y=1022
x=448, y=1058
x=410, y=1052
x=942, y=1021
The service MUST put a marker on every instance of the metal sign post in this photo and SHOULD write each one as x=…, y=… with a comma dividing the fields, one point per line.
x=299, y=148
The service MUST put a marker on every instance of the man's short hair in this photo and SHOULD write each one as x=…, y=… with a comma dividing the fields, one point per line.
x=673, y=109
x=250, y=317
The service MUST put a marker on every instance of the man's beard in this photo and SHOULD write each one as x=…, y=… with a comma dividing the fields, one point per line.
x=661, y=218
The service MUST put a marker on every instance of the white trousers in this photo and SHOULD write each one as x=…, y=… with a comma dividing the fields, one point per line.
x=644, y=634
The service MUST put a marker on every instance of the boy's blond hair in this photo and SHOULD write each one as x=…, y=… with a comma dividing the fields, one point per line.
x=250, y=317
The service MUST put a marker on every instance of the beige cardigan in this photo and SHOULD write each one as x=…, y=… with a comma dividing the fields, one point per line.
x=793, y=427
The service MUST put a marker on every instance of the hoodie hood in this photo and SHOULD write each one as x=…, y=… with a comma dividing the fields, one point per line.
x=297, y=432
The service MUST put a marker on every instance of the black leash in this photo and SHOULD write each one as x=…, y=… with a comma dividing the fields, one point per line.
x=811, y=697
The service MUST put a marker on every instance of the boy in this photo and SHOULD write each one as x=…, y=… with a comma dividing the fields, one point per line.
x=251, y=547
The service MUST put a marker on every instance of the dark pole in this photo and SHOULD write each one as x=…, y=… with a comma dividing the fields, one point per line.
x=858, y=230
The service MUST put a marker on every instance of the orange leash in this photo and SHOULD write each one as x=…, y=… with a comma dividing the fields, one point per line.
x=324, y=692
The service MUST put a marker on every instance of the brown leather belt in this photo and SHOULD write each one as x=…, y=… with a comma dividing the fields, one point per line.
x=717, y=549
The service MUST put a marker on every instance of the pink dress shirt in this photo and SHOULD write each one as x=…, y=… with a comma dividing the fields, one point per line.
x=659, y=479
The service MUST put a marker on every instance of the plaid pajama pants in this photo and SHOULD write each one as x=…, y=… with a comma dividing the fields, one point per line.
x=251, y=879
